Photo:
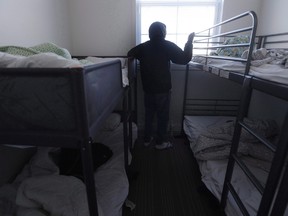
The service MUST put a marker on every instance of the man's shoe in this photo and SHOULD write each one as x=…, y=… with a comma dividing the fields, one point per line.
x=164, y=145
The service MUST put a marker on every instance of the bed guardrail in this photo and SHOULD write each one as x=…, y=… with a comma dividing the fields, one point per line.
x=211, y=107
x=216, y=42
x=273, y=41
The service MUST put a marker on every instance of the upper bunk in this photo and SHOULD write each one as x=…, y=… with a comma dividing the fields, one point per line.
x=231, y=49
x=52, y=99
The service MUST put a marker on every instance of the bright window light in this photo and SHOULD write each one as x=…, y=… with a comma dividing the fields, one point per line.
x=181, y=17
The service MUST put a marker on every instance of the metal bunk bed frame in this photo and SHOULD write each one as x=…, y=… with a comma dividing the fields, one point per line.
x=275, y=192
x=270, y=188
x=81, y=136
x=213, y=40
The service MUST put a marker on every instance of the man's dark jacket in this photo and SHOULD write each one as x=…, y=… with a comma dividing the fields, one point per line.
x=155, y=56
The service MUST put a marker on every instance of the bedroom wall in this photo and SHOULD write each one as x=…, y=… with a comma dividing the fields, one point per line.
x=107, y=27
x=272, y=17
x=233, y=8
x=30, y=22
x=102, y=27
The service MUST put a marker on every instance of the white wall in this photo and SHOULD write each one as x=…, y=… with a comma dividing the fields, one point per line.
x=273, y=17
x=102, y=27
x=30, y=22
x=233, y=8
x=271, y=14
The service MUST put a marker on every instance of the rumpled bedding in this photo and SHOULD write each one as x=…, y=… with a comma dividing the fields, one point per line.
x=40, y=60
x=49, y=55
x=233, y=51
x=273, y=66
x=41, y=48
x=273, y=56
x=39, y=190
x=259, y=57
x=213, y=171
x=215, y=144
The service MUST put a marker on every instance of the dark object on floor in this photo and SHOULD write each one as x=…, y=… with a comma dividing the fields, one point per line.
x=70, y=162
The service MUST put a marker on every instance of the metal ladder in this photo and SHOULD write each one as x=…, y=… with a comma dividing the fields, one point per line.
x=269, y=190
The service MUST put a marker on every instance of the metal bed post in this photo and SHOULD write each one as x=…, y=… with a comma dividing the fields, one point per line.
x=275, y=174
x=132, y=95
x=269, y=190
x=185, y=95
x=127, y=111
x=86, y=155
x=125, y=130
x=281, y=200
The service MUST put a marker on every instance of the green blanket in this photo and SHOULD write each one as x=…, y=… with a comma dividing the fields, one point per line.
x=41, y=48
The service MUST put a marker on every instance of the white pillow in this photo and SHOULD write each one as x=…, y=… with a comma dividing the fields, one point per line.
x=112, y=122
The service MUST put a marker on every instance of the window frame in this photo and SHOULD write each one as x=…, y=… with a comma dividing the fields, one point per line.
x=139, y=3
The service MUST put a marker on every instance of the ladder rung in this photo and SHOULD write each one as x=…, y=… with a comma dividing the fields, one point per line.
x=250, y=175
x=263, y=140
x=237, y=199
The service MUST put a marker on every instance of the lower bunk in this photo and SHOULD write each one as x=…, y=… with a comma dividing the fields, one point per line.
x=45, y=186
x=210, y=141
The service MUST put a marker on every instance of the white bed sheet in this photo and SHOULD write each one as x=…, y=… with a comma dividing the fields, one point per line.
x=35, y=187
x=213, y=171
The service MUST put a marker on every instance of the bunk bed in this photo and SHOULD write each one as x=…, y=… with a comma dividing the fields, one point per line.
x=51, y=102
x=242, y=160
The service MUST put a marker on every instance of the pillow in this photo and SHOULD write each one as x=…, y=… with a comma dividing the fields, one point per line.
x=112, y=122
x=233, y=51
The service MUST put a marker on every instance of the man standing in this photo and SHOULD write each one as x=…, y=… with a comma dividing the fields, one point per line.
x=155, y=57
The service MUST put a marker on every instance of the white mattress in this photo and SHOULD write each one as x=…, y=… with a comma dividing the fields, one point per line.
x=40, y=186
x=213, y=171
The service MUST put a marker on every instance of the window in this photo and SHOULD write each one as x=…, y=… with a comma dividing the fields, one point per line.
x=181, y=17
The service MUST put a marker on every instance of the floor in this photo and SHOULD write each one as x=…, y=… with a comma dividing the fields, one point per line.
x=167, y=183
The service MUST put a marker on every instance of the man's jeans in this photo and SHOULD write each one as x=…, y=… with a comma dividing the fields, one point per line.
x=158, y=104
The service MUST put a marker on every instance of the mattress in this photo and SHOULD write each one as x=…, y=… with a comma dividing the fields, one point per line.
x=213, y=171
x=53, y=60
x=275, y=72
x=39, y=187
